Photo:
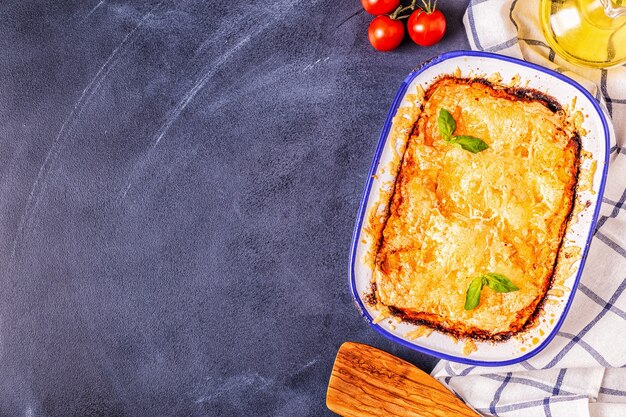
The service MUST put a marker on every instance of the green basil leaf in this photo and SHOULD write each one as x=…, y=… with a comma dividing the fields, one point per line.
x=500, y=283
x=469, y=143
x=446, y=123
x=472, y=297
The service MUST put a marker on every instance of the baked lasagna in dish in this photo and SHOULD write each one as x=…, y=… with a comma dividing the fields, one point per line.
x=457, y=216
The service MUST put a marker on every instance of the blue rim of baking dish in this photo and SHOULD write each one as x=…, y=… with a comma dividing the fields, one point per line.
x=368, y=186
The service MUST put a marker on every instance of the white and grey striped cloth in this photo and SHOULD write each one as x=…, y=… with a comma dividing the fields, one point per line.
x=582, y=372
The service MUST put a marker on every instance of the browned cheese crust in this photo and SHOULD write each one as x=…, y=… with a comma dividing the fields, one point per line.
x=455, y=215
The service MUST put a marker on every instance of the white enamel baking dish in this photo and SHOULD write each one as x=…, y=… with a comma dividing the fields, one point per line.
x=596, y=142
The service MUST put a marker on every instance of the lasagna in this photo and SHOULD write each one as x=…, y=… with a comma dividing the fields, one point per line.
x=454, y=215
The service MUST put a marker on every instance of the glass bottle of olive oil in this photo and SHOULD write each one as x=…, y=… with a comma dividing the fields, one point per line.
x=586, y=32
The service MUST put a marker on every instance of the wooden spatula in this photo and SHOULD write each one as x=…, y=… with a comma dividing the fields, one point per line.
x=369, y=382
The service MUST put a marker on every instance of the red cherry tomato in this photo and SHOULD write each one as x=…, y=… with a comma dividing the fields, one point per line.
x=385, y=33
x=426, y=29
x=377, y=7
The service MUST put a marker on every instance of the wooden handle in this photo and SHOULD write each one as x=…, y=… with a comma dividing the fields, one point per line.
x=368, y=382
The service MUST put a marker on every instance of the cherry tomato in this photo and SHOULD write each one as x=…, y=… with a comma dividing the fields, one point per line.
x=385, y=33
x=377, y=7
x=426, y=29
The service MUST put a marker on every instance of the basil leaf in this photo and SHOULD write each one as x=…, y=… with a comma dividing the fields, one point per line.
x=469, y=143
x=446, y=123
x=472, y=297
x=500, y=283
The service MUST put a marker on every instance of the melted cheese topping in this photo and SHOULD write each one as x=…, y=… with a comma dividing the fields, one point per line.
x=455, y=215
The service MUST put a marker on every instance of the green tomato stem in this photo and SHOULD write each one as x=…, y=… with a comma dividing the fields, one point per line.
x=428, y=6
x=394, y=15
x=397, y=14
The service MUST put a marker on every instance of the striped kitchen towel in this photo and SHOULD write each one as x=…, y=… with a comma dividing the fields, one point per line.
x=582, y=372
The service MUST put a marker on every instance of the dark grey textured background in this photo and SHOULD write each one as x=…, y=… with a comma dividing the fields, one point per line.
x=179, y=182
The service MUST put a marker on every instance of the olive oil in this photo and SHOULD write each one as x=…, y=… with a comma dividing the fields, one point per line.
x=586, y=32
